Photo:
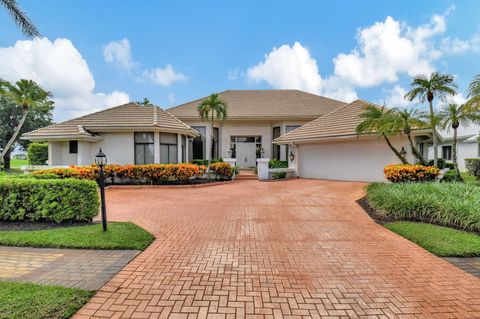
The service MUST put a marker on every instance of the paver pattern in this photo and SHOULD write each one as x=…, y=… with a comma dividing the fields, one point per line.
x=292, y=249
x=75, y=268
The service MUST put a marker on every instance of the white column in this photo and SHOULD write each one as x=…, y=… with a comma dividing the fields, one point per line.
x=262, y=168
x=179, y=148
x=186, y=148
x=283, y=148
x=156, y=147
x=50, y=154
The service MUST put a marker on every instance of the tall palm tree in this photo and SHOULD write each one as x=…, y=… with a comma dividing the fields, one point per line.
x=210, y=109
x=382, y=122
x=452, y=116
x=26, y=94
x=426, y=89
x=21, y=19
x=407, y=120
x=473, y=94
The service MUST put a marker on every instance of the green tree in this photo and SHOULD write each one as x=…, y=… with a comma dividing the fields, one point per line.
x=473, y=94
x=26, y=95
x=407, y=120
x=452, y=116
x=210, y=109
x=382, y=122
x=21, y=19
x=145, y=102
x=426, y=89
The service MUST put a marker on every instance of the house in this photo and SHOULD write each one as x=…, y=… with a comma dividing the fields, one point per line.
x=255, y=119
x=468, y=146
x=128, y=134
x=330, y=148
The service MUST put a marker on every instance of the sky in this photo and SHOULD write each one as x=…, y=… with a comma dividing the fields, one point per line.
x=98, y=54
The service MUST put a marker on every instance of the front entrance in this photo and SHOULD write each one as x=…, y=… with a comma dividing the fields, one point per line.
x=246, y=149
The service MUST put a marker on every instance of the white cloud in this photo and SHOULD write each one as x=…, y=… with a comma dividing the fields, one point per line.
x=119, y=54
x=387, y=49
x=164, y=76
x=58, y=67
x=395, y=97
x=459, y=46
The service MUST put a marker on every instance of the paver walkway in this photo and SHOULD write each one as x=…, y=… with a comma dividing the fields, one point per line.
x=75, y=268
x=293, y=249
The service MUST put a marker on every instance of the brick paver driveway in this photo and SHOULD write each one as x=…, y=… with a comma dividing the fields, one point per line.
x=296, y=249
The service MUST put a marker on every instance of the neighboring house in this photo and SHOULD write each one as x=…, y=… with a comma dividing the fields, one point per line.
x=467, y=147
x=330, y=148
x=255, y=118
x=128, y=134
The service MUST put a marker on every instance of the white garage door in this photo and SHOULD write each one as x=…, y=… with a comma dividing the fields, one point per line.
x=356, y=160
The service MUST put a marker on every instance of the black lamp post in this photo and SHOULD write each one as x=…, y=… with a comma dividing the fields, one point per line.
x=101, y=161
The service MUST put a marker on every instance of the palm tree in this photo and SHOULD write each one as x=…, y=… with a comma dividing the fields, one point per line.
x=21, y=19
x=382, y=122
x=210, y=109
x=426, y=89
x=145, y=102
x=473, y=95
x=452, y=116
x=25, y=94
x=408, y=119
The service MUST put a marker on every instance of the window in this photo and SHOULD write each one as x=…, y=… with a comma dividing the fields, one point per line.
x=73, y=147
x=276, y=147
x=198, y=145
x=184, y=145
x=144, y=148
x=447, y=152
x=168, y=148
x=289, y=128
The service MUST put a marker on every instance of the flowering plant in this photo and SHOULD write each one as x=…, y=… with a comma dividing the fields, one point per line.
x=398, y=173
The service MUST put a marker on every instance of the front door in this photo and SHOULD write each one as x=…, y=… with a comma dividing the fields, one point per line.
x=246, y=154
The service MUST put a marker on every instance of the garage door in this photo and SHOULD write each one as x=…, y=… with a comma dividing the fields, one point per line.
x=358, y=160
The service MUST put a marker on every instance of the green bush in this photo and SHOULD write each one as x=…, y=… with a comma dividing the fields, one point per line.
x=277, y=164
x=473, y=166
x=440, y=163
x=279, y=175
x=454, y=205
x=54, y=200
x=37, y=153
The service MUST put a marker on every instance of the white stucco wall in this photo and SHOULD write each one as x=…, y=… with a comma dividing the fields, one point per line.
x=60, y=154
x=351, y=160
x=464, y=150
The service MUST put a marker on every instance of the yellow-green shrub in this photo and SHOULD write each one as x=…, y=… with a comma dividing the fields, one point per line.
x=398, y=173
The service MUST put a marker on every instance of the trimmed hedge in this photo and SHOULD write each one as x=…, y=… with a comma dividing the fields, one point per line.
x=447, y=204
x=473, y=166
x=37, y=153
x=279, y=175
x=54, y=200
x=399, y=173
x=277, y=164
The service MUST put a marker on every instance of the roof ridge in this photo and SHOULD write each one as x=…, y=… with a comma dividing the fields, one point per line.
x=155, y=115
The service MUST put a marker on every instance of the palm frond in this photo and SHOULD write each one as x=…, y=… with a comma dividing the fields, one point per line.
x=21, y=19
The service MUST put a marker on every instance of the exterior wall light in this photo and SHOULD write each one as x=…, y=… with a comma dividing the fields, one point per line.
x=292, y=156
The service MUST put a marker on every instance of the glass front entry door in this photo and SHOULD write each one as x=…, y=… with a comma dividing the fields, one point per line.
x=246, y=154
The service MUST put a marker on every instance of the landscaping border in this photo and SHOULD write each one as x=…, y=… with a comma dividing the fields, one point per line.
x=169, y=186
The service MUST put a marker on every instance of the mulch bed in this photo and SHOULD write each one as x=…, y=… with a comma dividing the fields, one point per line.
x=25, y=225
x=195, y=181
x=374, y=214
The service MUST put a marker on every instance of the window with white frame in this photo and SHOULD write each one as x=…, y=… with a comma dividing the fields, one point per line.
x=144, y=148
x=168, y=148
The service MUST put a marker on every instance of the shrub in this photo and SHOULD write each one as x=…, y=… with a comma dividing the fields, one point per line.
x=473, y=166
x=57, y=200
x=139, y=174
x=398, y=173
x=279, y=175
x=224, y=170
x=37, y=153
x=277, y=164
x=440, y=163
x=200, y=162
x=447, y=204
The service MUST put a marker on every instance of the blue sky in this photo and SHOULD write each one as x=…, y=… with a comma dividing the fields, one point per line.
x=172, y=52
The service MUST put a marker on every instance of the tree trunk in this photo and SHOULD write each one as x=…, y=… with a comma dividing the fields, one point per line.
x=415, y=151
x=14, y=136
x=394, y=150
x=454, y=153
x=6, y=160
x=434, y=133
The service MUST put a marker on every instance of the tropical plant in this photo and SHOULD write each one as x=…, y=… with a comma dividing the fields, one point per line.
x=426, y=89
x=145, y=102
x=21, y=19
x=473, y=95
x=407, y=120
x=210, y=109
x=452, y=116
x=25, y=94
x=382, y=122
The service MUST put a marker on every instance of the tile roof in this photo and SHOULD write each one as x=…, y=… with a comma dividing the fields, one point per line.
x=341, y=122
x=125, y=116
x=265, y=104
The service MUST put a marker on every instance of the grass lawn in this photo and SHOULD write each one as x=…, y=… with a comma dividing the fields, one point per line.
x=441, y=241
x=24, y=300
x=118, y=236
x=17, y=163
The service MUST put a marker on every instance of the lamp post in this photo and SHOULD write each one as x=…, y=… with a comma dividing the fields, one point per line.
x=101, y=161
